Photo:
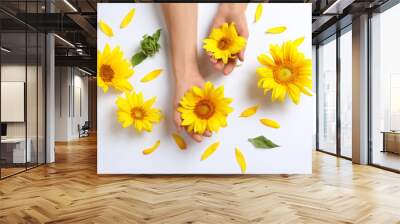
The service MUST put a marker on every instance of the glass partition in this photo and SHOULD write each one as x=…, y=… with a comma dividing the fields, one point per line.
x=22, y=77
x=13, y=105
x=346, y=93
x=385, y=90
x=327, y=96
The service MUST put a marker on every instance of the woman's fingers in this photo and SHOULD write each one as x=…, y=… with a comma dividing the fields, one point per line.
x=219, y=66
x=197, y=138
x=241, y=55
x=244, y=32
x=230, y=66
x=212, y=59
x=177, y=121
x=207, y=134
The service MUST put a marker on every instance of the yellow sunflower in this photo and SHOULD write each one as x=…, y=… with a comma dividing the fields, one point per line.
x=224, y=43
x=204, y=109
x=288, y=71
x=113, y=70
x=134, y=110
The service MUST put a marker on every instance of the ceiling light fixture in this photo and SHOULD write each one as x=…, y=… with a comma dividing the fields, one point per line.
x=70, y=5
x=337, y=7
x=5, y=50
x=64, y=40
x=84, y=71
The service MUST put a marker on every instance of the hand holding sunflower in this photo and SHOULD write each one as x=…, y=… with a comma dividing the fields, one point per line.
x=204, y=109
x=182, y=86
x=227, y=40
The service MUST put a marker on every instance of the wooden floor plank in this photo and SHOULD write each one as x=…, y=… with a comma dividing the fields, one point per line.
x=70, y=191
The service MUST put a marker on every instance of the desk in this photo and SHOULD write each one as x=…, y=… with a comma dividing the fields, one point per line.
x=391, y=141
x=15, y=148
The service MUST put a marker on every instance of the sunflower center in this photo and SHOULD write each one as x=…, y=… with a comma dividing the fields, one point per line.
x=106, y=73
x=204, y=109
x=285, y=74
x=224, y=43
x=137, y=113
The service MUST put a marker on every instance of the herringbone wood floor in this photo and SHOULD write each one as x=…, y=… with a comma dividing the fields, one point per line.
x=70, y=191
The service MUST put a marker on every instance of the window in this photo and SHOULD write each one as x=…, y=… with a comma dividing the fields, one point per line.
x=385, y=89
x=327, y=96
x=346, y=93
x=22, y=77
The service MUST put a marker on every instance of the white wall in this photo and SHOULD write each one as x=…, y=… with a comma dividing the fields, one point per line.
x=70, y=83
x=16, y=73
x=314, y=89
x=34, y=125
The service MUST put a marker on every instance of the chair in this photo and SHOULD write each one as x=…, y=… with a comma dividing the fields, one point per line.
x=84, y=130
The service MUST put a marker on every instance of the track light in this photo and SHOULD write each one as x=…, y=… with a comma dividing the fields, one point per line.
x=5, y=50
x=84, y=71
x=64, y=40
x=70, y=5
x=337, y=7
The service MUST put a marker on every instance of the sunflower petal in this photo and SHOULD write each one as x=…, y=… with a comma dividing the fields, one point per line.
x=210, y=150
x=298, y=41
x=152, y=148
x=250, y=111
x=106, y=29
x=270, y=123
x=151, y=75
x=294, y=93
x=259, y=11
x=179, y=141
x=240, y=160
x=276, y=30
x=127, y=19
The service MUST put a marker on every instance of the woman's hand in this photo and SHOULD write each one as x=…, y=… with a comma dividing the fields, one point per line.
x=228, y=13
x=181, y=21
x=188, y=78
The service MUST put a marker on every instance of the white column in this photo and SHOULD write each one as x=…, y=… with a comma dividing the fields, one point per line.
x=50, y=92
x=360, y=90
x=50, y=99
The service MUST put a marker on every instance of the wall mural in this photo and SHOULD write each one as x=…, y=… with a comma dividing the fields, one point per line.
x=244, y=106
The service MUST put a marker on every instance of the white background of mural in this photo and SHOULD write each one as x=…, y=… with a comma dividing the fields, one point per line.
x=120, y=150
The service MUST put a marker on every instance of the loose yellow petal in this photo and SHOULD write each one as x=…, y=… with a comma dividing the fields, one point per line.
x=210, y=150
x=240, y=159
x=152, y=148
x=276, y=30
x=106, y=29
x=127, y=19
x=179, y=141
x=270, y=123
x=151, y=75
x=250, y=111
x=298, y=41
x=259, y=11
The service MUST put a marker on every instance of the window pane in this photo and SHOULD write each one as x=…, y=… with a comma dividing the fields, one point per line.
x=13, y=86
x=385, y=86
x=346, y=93
x=31, y=98
x=327, y=97
x=41, y=98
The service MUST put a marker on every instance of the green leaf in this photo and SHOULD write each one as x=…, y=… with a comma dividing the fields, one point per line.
x=157, y=34
x=262, y=142
x=138, y=58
